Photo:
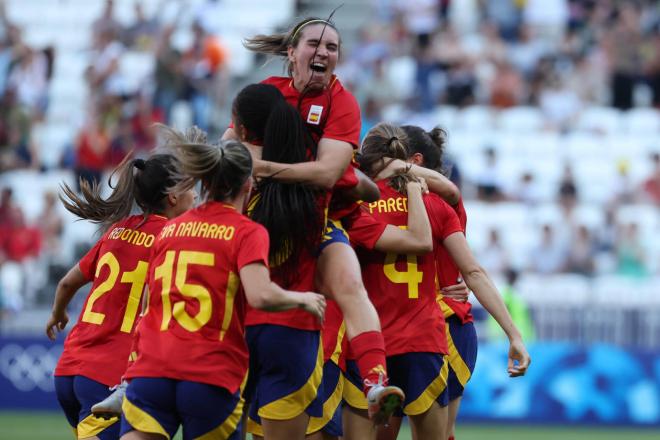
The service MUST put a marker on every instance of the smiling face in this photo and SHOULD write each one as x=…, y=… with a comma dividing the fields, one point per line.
x=309, y=69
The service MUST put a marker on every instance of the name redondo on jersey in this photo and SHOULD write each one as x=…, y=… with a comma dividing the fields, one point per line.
x=198, y=230
x=132, y=236
x=400, y=204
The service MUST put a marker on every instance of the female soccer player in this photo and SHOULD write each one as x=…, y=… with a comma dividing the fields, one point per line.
x=192, y=358
x=454, y=259
x=262, y=115
x=97, y=349
x=331, y=113
x=402, y=288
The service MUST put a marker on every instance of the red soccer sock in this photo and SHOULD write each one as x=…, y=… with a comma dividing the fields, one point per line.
x=451, y=438
x=368, y=348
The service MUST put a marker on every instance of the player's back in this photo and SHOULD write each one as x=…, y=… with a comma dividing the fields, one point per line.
x=194, y=326
x=99, y=344
x=402, y=287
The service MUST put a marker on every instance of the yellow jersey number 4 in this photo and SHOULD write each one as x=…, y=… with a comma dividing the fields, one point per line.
x=411, y=276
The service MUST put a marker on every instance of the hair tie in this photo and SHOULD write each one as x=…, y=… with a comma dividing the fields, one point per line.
x=139, y=164
x=392, y=139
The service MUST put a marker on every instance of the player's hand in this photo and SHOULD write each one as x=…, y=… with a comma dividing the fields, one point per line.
x=458, y=292
x=519, y=359
x=394, y=167
x=314, y=303
x=418, y=183
x=57, y=321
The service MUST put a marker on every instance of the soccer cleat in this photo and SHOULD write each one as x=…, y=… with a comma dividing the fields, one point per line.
x=111, y=405
x=382, y=401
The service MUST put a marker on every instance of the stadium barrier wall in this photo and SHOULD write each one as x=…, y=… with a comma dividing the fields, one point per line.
x=566, y=384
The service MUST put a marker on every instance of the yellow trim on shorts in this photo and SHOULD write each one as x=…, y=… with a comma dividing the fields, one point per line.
x=353, y=396
x=294, y=404
x=328, y=230
x=91, y=425
x=254, y=428
x=228, y=427
x=456, y=362
x=141, y=420
x=329, y=408
x=340, y=338
x=430, y=394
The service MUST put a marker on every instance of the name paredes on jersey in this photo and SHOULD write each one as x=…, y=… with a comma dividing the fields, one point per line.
x=399, y=204
x=198, y=230
x=132, y=236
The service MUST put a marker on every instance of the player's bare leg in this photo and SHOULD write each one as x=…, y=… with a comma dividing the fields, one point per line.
x=292, y=429
x=339, y=275
x=431, y=424
x=454, y=405
x=391, y=430
x=356, y=424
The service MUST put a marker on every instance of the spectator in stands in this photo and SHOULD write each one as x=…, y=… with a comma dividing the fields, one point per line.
x=20, y=246
x=168, y=74
x=16, y=149
x=141, y=34
x=7, y=203
x=103, y=73
x=568, y=191
x=371, y=115
x=51, y=226
x=203, y=65
x=623, y=45
x=29, y=78
x=106, y=24
x=549, y=257
x=527, y=191
x=489, y=180
x=623, y=190
x=517, y=308
x=559, y=103
x=92, y=150
x=651, y=186
x=631, y=257
x=506, y=88
x=494, y=257
x=581, y=252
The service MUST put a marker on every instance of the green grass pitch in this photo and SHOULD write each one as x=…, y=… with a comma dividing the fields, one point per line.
x=52, y=426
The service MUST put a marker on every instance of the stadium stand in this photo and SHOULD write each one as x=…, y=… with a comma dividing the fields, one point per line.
x=609, y=151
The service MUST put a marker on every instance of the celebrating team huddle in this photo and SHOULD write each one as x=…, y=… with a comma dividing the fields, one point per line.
x=206, y=314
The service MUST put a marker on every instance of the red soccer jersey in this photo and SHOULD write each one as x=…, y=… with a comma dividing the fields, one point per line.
x=294, y=318
x=448, y=273
x=402, y=287
x=99, y=345
x=333, y=114
x=194, y=327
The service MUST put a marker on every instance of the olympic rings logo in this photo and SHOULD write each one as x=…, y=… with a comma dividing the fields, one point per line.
x=31, y=367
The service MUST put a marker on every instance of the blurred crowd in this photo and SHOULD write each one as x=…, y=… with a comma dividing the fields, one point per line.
x=557, y=55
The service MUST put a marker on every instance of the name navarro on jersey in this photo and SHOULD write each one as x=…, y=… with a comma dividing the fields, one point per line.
x=400, y=204
x=198, y=230
x=132, y=236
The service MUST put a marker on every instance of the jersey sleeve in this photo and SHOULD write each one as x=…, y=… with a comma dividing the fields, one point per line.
x=253, y=246
x=348, y=180
x=442, y=217
x=365, y=229
x=87, y=264
x=344, y=122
